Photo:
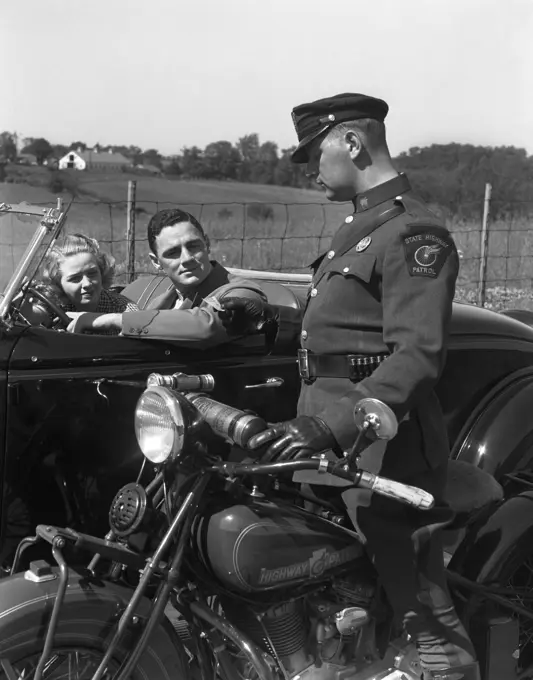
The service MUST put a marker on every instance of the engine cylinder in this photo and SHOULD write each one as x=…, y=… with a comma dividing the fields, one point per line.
x=280, y=630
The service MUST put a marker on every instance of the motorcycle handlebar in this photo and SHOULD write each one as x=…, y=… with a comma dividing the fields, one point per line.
x=410, y=495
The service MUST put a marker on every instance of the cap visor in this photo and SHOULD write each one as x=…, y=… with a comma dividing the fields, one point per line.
x=300, y=155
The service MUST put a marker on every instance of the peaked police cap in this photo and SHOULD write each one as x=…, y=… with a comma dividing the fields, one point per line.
x=311, y=120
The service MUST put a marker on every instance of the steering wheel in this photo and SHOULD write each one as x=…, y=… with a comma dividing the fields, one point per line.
x=64, y=319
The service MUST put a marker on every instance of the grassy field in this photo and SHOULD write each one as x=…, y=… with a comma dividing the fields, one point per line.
x=251, y=226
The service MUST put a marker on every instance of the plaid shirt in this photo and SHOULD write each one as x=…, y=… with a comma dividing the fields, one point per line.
x=109, y=303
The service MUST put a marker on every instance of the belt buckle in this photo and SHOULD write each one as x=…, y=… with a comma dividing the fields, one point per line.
x=303, y=365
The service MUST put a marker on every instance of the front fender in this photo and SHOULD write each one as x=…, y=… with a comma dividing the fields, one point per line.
x=496, y=543
x=498, y=437
x=26, y=605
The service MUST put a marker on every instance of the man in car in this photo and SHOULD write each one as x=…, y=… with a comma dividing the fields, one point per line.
x=376, y=325
x=189, y=311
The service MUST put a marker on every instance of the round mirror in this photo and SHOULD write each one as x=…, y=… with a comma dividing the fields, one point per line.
x=379, y=417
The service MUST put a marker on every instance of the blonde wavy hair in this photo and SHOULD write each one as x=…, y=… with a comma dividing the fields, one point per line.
x=73, y=244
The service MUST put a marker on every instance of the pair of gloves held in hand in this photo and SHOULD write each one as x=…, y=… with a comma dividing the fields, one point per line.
x=301, y=437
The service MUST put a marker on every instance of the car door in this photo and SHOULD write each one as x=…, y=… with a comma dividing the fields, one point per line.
x=71, y=403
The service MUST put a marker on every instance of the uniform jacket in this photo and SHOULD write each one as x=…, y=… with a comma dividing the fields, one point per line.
x=196, y=322
x=390, y=292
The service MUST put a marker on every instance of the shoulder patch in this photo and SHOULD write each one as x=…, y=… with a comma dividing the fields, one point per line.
x=426, y=253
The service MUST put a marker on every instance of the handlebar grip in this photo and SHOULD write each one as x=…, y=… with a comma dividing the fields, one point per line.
x=411, y=495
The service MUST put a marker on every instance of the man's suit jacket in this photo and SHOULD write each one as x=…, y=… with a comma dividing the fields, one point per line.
x=195, y=322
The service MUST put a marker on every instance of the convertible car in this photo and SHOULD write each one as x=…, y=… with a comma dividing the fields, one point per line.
x=67, y=401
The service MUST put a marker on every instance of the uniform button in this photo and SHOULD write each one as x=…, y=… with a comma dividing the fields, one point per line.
x=314, y=292
x=349, y=219
x=346, y=270
x=331, y=254
x=304, y=335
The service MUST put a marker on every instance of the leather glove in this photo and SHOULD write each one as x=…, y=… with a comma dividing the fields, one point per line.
x=244, y=316
x=302, y=437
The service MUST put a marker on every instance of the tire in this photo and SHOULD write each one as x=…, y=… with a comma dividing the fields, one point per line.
x=502, y=556
x=86, y=625
x=517, y=572
x=84, y=641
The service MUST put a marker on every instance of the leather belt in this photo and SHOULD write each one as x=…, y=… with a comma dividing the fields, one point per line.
x=355, y=367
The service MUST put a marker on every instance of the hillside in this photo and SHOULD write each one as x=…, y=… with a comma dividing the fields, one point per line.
x=149, y=189
x=284, y=228
x=261, y=226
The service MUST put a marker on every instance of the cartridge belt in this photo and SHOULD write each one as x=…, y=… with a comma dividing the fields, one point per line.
x=355, y=367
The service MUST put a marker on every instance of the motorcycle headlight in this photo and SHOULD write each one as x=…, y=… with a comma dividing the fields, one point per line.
x=159, y=424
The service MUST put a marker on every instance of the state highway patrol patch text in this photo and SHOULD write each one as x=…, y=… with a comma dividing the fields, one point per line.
x=426, y=254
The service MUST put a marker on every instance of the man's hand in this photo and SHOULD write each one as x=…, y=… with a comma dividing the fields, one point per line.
x=91, y=322
x=243, y=316
x=299, y=438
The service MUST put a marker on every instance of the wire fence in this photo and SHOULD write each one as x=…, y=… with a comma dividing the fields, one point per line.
x=285, y=237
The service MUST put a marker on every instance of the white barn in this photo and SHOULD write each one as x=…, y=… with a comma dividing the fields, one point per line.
x=94, y=159
x=72, y=160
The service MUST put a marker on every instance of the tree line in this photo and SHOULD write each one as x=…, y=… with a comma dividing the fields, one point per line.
x=451, y=176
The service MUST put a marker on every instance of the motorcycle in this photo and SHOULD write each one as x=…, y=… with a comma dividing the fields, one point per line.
x=217, y=566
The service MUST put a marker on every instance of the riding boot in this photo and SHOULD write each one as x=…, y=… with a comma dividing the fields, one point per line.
x=470, y=672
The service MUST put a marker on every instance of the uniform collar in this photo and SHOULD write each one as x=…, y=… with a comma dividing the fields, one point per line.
x=383, y=192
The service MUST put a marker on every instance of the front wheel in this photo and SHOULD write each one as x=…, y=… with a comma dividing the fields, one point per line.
x=76, y=654
x=70, y=662
x=79, y=646
x=86, y=625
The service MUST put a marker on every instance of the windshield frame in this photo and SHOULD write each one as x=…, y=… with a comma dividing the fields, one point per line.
x=51, y=222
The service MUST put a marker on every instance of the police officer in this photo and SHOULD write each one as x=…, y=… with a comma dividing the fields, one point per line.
x=376, y=325
x=188, y=313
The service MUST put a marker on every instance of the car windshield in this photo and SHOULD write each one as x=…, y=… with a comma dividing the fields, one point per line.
x=26, y=233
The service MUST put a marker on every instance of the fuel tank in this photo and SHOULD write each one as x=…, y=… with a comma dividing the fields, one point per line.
x=260, y=546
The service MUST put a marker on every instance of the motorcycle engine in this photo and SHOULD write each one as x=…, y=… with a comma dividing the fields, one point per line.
x=318, y=637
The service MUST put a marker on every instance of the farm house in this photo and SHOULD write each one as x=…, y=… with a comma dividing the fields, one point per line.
x=72, y=160
x=94, y=160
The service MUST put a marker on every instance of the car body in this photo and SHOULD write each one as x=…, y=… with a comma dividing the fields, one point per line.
x=67, y=402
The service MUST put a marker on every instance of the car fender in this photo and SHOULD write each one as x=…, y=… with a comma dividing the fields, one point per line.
x=24, y=601
x=523, y=315
x=495, y=539
x=498, y=436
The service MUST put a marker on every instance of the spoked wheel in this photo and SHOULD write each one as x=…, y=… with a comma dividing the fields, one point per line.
x=499, y=554
x=86, y=626
x=514, y=582
x=521, y=582
x=71, y=663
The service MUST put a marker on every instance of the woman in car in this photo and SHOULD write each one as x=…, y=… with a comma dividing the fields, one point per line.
x=77, y=275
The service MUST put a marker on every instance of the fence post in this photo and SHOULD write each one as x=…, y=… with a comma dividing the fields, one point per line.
x=130, y=231
x=483, y=247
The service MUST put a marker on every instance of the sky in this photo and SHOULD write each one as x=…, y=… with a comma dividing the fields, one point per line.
x=171, y=73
